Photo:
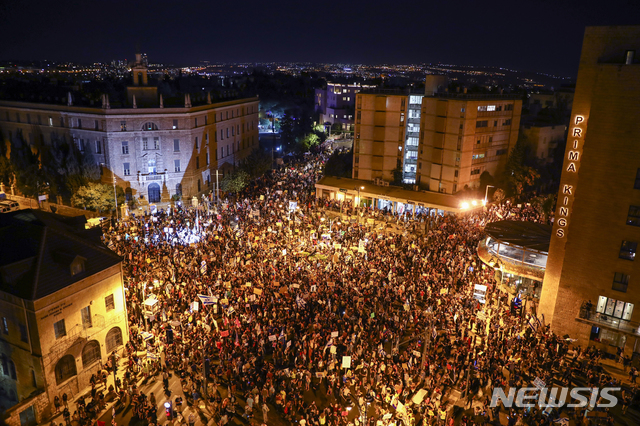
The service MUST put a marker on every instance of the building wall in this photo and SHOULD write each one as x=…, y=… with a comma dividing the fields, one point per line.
x=454, y=151
x=379, y=135
x=600, y=170
x=227, y=131
x=544, y=139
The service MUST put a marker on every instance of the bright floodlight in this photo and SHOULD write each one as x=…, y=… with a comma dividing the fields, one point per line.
x=464, y=205
x=474, y=202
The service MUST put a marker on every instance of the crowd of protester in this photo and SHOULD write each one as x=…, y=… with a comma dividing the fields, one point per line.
x=324, y=322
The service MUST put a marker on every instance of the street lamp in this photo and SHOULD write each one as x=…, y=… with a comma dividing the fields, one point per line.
x=486, y=192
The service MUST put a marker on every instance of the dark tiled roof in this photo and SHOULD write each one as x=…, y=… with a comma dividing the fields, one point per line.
x=531, y=235
x=37, y=249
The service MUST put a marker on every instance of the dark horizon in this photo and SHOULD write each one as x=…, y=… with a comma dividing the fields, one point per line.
x=540, y=36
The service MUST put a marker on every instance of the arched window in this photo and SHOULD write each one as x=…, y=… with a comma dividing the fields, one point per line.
x=114, y=339
x=90, y=353
x=65, y=368
x=149, y=126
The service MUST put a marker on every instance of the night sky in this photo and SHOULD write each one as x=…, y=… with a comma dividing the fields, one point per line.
x=533, y=35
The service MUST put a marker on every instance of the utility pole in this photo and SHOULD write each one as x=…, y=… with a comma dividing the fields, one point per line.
x=115, y=194
x=217, y=188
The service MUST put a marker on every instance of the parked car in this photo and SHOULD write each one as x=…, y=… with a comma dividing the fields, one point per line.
x=12, y=205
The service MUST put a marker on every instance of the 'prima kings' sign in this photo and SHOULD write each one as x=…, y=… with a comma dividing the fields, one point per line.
x=567, y=191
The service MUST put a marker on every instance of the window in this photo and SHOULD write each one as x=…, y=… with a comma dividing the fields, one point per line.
x=175, y=124
x=455, y=173
x=620, y=282
x=636, y=185
x=477, y=156
x=125, y=169
x=628, y=250
x=501, y=151
x=125, y=147
x=484, y=123
x=491, y=107
x=222, y=152
x=59, y=329
x=61, y=121
x=615, y=308
x=5, y=326
x=508, y=107
x=23, y=333
x=86, y=316
x=207, y=158
x=50, y=121
x=507, y=122
x=123, y=126
x=65, y=368
x=176, y=145
x=412, y=155
x=156, y=143
x=109, y=303
x=197, y=145
x=90, y=353
x=28, y=118
x=151, y=166
x=79, y=123
x=633, y=217
x=196, y=122
x=81, y=145
x=475, y=172
x=98, y=147
x=95, y=125
x=145, y=143
x=227, y=149
x=176, y=165
x=206, y=120
x=495, y=123
x=482, y=108
x=221, y=135
x=199, y=185
x=149, y=126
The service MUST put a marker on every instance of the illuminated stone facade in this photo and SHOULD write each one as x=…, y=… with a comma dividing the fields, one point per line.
x=597, y=225
x=62, y=307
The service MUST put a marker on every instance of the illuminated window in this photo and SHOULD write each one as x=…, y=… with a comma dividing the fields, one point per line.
x=477, y=156
x=175, y=124
x=491, y=107
x=628, y=250
x=123, y=126
x=482, y=108
x=149, y=126
x=411, y=141
x=615, y=308
x=620, y=282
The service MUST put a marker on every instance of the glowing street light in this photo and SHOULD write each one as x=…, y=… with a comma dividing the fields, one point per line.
x=464, y=205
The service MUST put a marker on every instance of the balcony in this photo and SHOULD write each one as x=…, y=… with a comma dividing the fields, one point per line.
x=631, y=328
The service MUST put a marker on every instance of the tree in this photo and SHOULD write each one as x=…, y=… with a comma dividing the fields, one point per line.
x=310, y=141
x=544, y=205
x=256, y=164
x=97, y=196
x=6, y=172
x=25, y=163
x=520, y=172
x=234, y=182
x=339, y=164
x=498, y=195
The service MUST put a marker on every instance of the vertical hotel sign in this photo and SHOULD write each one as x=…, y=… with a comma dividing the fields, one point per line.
x=568, y=186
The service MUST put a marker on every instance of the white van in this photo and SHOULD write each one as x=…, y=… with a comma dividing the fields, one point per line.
x=12, y=205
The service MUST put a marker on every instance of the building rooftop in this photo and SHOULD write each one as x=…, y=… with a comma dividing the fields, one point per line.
x=529, y=235
x=434, y=200
x=43, y=253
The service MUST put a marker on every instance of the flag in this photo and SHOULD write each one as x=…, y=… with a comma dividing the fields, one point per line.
x=563, y=421
x=208, y=300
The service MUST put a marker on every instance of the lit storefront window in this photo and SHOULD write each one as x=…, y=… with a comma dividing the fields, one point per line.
x=614, y=308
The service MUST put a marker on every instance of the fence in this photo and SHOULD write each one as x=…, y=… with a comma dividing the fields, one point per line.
x=30, y=203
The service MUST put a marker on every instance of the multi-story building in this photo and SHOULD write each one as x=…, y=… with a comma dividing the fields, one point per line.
x=336, y=103
x=592, y=255
x=154, y=151
x=544, y=138
x=62, y=309
x=440, y=141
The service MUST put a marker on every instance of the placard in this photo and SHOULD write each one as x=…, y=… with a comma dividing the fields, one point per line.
x=273, y=338
x=257, y=291
x=346, y=362
x=334, y=334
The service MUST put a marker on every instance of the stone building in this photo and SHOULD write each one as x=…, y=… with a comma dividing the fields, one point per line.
x=154, y=149
x=62, y=309
x=597, y=220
